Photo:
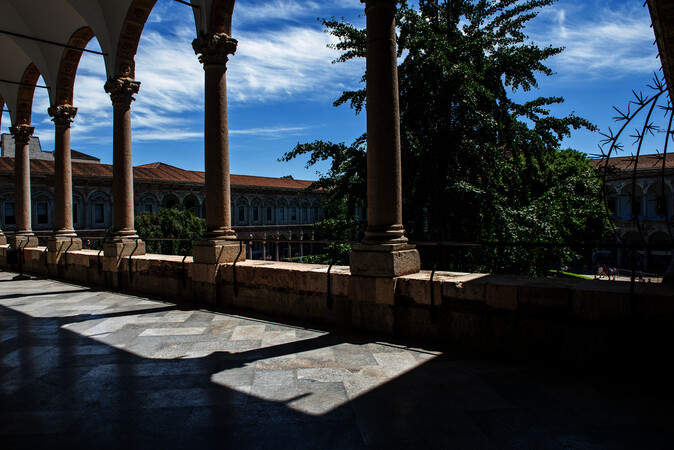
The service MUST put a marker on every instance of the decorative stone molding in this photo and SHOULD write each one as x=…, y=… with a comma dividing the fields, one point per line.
x=213, y=49
x=122, y=90
x=22, y=133
x=62, y=114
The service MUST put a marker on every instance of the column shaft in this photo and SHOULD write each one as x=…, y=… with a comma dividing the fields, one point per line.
x=384, y=179
x=216, y=153
x=22, y=200
x=124, y=241
x=121, y=92
x=63, y=182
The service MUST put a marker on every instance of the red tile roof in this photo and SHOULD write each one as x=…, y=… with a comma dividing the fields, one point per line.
x=154, y=172
x=646, y=162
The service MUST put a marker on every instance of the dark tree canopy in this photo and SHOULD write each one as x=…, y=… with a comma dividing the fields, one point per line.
x=477, y=165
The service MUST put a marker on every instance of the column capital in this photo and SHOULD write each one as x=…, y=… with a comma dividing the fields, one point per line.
x=62, y=114
x=214, y=49
x=122, y=90
x=22, y=132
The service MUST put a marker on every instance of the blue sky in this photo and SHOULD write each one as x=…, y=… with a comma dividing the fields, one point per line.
x=281, y=82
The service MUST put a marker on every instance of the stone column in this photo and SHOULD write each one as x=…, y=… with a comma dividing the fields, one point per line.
x=384, y=251
x=64, y=235
x=124, y=240
x=217, y=245
x=24, y=236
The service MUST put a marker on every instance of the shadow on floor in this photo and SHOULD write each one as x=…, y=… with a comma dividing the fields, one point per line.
x=64, y=390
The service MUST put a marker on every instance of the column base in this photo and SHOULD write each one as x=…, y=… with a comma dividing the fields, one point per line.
x=120, y=247
x=23, y=241
x=384, y=260
x=57, y=244
x=207, y=251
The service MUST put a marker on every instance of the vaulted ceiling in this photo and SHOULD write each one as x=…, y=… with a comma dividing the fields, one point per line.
x=46, y=37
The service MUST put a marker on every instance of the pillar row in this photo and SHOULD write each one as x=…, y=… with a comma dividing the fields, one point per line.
x=23, y=236
x=217, y=245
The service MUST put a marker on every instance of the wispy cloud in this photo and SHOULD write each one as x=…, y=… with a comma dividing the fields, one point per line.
x=601, y=40
x=271, y=131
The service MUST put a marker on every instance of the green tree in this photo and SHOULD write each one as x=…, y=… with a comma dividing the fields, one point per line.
x=478, y=166
x=169, y=223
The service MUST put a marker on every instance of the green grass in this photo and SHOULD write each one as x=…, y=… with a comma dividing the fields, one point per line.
x=559, y=273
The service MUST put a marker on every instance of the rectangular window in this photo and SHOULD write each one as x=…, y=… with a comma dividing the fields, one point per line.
x=99, y=213
x=314, y=214
x=42, y=213
x=75, y=215
x=305, y=214
x=10, y=218
x=256, y=214
x=269, y=214
x=242, y=214
x=293, y=214
x=281, y=214
x=148, y=207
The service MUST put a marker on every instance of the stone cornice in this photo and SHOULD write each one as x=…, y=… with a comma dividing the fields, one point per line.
x=214, y=49
x=62, y=114
x=122, y=90
x=22, y=132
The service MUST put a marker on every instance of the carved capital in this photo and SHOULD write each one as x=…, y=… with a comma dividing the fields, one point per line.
x=22, y=133
x=122, y=90
x=62, y=114
x=214, y=49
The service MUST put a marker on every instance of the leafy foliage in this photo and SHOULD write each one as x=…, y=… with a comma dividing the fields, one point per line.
x=478, y=166
x=169, y=223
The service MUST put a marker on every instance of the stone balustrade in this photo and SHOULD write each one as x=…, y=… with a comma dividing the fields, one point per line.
x=562, y=318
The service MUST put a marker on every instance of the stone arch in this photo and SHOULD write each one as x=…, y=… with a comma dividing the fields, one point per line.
x=632, y=237
x=7, y=207
x=659, y=237
x=612, y=200
x=99, y=210
x=221, y=17
x=136, y=17
x=315, y=211
x=24, y=101
x=282, y=211
x=255, y=211
x=241, y=211
x=631, y=205
x=148, y=202
x=191, y=203
x=294, y=212
x=79, y=212
x=658, y=200
x=269, y=212
x=304, y=213
x=42, y=210
x=70, y=60
x=171, y=201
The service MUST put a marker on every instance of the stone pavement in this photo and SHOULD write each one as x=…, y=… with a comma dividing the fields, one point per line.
x=86, y=368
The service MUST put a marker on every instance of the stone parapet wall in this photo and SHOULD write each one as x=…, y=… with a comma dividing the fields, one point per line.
x=578, y=320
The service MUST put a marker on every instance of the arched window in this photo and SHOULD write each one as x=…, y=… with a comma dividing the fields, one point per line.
x=241, y=211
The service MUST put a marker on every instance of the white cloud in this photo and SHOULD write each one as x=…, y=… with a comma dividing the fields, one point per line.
x=254, y=13
x=272, y=132
x=600, y=40
x=294, y=61
x=287, y=62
